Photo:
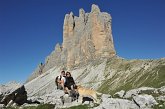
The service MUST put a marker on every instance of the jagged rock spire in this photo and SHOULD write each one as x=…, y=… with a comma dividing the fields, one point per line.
x=81, y=13
x=86, y=38
x=95, y=9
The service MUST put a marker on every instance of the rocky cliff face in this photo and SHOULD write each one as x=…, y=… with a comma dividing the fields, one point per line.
x=86, y=38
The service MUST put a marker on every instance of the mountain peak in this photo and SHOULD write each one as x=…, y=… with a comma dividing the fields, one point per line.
x=86, y=38
x=95, y=9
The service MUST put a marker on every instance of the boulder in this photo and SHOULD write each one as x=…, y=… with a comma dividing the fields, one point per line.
x=115, y=103
x=161, y=98
x=138, y=91
x=8, y=88
x=162, y=90
x=51, y=98
x=2, y=106
x=119, y=94
x=144, y=101
x=18, y=96
x=105, y=96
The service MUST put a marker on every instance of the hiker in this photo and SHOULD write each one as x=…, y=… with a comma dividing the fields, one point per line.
x=60, y=81
x=69, y=84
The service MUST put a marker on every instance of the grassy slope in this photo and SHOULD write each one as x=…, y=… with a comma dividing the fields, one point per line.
x=129, y=74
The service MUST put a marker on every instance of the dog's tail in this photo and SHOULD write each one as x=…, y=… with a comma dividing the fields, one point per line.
x=99, y=93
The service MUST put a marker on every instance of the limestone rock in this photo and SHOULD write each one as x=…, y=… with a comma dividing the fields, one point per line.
x=38, y=71
x=54, y=58
x=120, y=94
x=8, y=88
x=161, y=98
x=18, y=96
x=2, y=106
x=86, y=38
x=28, y=105
x=105, y=96
x=95, y=9
x=145, y=101
x=137, y=91
x=115, y=103
x=162, y=90
x=82, y=14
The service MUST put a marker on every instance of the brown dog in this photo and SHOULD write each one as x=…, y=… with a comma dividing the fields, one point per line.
x=84, y=92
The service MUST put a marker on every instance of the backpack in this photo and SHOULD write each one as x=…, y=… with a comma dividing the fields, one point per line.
x=56, y=81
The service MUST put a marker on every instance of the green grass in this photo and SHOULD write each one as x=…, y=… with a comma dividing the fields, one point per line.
x=158, y=106
x=30, y=107
x=159, y=81
x=152, y=77
x=45, y=106
x=41, y=106
x=11, y=108
x=78, y=107
x=105, y=88
x=51, y=106
x=82, y=107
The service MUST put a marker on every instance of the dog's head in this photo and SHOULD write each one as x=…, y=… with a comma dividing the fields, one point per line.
x=79, y=86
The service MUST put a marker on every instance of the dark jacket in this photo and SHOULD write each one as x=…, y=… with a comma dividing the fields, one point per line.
x=69, y=82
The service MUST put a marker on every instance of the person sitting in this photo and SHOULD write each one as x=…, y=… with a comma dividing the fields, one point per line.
x=70, y=83
x=61, y=81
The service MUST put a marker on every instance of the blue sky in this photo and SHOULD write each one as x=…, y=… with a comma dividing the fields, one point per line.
x=29, y=30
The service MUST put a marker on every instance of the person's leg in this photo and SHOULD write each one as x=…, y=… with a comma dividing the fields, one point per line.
x=72, y=87
x=66, y=90
x=62, y=85
x=58, y=86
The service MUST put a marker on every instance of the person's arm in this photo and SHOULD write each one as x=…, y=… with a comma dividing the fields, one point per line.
x=62, y=82
x=73, y=81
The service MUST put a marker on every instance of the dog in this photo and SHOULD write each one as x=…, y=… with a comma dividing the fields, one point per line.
x=72, y=94
x=84, y=92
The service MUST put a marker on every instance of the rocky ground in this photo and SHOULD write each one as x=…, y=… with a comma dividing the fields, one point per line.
x=119, y=80
x=140, y=98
